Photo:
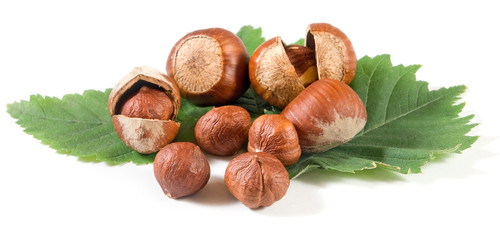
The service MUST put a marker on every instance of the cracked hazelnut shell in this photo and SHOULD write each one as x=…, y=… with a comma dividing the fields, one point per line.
x=181, y=169
x=326, y=114
x=210, y=66
x=143, y=106
x=273, y=133
x=256, y=179
x=279, y=72
x=223, y=131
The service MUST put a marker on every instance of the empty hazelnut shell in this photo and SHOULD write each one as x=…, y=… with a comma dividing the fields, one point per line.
x=137, y=128
x=210, y=66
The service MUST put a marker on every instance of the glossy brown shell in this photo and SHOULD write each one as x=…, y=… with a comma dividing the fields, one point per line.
x=223, y=130
x=273, y=133
x=144, y=135
x=234, y=78
x=349, y=56
x=326, y=114
x=181, y=169
x=256, y=179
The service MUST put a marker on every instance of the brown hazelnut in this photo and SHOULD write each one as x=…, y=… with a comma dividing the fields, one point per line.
x=273, y=133
x=150, y=102
x=210, y=66
x=143, y=106
x=279, y=72
x=223, y=130
x=181, y=169
x=256, y=179
x=326, y=114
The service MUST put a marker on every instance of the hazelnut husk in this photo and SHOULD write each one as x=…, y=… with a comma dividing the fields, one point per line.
x=279, y=72
x=326, y=114
x=143, y=106
x=256, y=179
x=223, y=131
x=210, y=66
x=273, y=133
x=181, y=169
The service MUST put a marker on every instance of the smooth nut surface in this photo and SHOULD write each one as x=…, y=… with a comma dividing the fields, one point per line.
x=256, y=179
x=326, y=114
x=273, y=133
x=143, y=119
x=181, y=169
x=223, y=130
x=210, y=66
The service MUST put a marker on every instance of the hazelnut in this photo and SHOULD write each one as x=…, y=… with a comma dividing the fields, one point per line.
x=275, y=134
x=149, y=103
x=181, y=169
x=210, y=66
x=223, y=130
x=279, y=73
x=326, y=114
x=143, y=106
x=256, y=179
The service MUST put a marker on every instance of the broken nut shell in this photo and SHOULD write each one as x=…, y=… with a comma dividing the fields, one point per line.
x=145, y=134
x=279, y=73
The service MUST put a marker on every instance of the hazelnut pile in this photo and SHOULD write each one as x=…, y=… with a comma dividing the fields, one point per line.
x=212, y=67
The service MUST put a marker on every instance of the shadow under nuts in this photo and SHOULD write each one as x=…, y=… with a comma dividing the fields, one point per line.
x=257, y=179
x=181, y=169
x=223, y=131
x=143, y=106
x=210, y=66
x=273, y=133
x=279, y=72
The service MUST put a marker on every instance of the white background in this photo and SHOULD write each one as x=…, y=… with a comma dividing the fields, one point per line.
x=55, y=48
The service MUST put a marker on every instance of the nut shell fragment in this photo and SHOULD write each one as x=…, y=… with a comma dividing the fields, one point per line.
x=335, y=54
x=279, y=73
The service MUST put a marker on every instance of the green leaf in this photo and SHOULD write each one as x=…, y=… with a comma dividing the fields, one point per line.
x=188, y=117
x=251, y=37
x=407, y=124
x=78, y=125
x=300, y=42
x=253, y=103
